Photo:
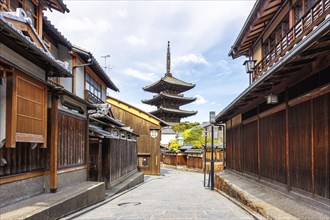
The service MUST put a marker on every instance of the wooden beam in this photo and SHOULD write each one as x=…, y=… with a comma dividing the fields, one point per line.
x=15, y=178
x=53, y=143
x=315, y=51
x=11, y=111
x=30, y=138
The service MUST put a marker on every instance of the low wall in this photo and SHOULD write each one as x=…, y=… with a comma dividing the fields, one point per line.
x=23, y=189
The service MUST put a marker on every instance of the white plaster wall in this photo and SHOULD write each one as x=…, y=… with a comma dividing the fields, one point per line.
x=2, y=112
x=64, y=56
x=104, y=94
x=166, y=138
x=27, y=66
x=54, y=51
x=80, y=81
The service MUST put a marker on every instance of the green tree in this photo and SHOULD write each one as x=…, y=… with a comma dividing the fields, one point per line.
x=182, y=126
x=194, y=136
x=174, y=145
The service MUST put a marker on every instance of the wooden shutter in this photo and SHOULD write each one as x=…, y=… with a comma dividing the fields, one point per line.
x=26, y=110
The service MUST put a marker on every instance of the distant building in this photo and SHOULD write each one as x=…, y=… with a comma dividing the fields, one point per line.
x=148, y=128
x=169, y=98
x=217, y=132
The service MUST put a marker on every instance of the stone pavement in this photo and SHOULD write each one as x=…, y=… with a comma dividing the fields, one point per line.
x=66, y=200
x=176, y=195
x=270, y=203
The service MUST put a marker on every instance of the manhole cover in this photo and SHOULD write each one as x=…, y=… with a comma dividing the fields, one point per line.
x=129, y=203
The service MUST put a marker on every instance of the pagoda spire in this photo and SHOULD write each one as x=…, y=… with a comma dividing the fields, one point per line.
x=168, y=61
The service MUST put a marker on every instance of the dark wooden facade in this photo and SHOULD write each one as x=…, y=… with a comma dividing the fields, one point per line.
x=148, y=147
x=286, y=142
x=119, y=159
x=290, y=146
x=71, y=140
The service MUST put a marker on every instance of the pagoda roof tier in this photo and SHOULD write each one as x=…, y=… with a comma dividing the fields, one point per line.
x=180, y=99
x=178, y=112
x=169, y=83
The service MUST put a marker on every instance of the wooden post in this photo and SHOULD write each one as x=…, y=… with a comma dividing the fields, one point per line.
x=312, y=145
x=258, y=136
x=53, y=143
x=287, y=154
x=74, y=72
x=11, y=111
x=99, y=161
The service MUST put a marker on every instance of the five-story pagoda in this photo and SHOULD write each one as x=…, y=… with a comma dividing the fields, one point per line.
x=169, y=98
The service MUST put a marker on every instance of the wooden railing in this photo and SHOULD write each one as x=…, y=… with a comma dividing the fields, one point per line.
x=92, y=98
x=312, y=18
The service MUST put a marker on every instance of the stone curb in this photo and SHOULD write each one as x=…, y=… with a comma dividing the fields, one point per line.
x=261, y=207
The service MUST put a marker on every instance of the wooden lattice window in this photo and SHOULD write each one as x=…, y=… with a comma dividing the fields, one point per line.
x=26, y=110
x=29, y=6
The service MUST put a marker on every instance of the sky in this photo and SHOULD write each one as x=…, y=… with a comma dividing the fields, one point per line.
x=135, y=35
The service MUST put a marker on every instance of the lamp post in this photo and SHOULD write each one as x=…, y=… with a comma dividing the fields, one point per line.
x=205, y=136
x=212, y=121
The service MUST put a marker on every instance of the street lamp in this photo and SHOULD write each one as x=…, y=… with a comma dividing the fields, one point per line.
x=212, y=121
x=249, y=67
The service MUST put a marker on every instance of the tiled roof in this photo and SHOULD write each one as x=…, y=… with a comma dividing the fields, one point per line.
x=16, y=40
x=162, y=95
x=176, y=111
x=85, y=55
x=169, y=81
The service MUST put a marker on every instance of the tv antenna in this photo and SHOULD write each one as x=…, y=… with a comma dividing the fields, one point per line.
x=105, y=62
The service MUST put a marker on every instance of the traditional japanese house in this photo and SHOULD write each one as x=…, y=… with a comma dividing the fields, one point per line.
x=112, y=146
x=147, y=127
x=169, y=98
x=44, y=116
x=278, y=127
x=36, y=113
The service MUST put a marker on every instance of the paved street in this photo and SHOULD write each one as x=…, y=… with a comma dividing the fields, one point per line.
x=176, y=195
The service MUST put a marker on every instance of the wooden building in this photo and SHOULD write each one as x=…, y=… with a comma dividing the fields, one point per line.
x=47, y=89
x=33, y=110
x=148, y=128
x=169, y=98
x=277, y=129
x=112, y=150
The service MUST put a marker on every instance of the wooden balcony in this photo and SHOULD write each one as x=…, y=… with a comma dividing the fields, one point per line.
x=92, y=98
x=300, y=29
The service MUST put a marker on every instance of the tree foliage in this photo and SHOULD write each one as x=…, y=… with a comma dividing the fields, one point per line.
x=194, y=136
x=174, y=145
x=182, y=126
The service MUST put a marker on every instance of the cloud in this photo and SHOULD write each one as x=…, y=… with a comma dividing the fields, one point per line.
x=225, y=68
x=122, y=13
x=150, y=77
x=84, y=24
x=200, y=100
x=133, y=40
x=190, y=58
